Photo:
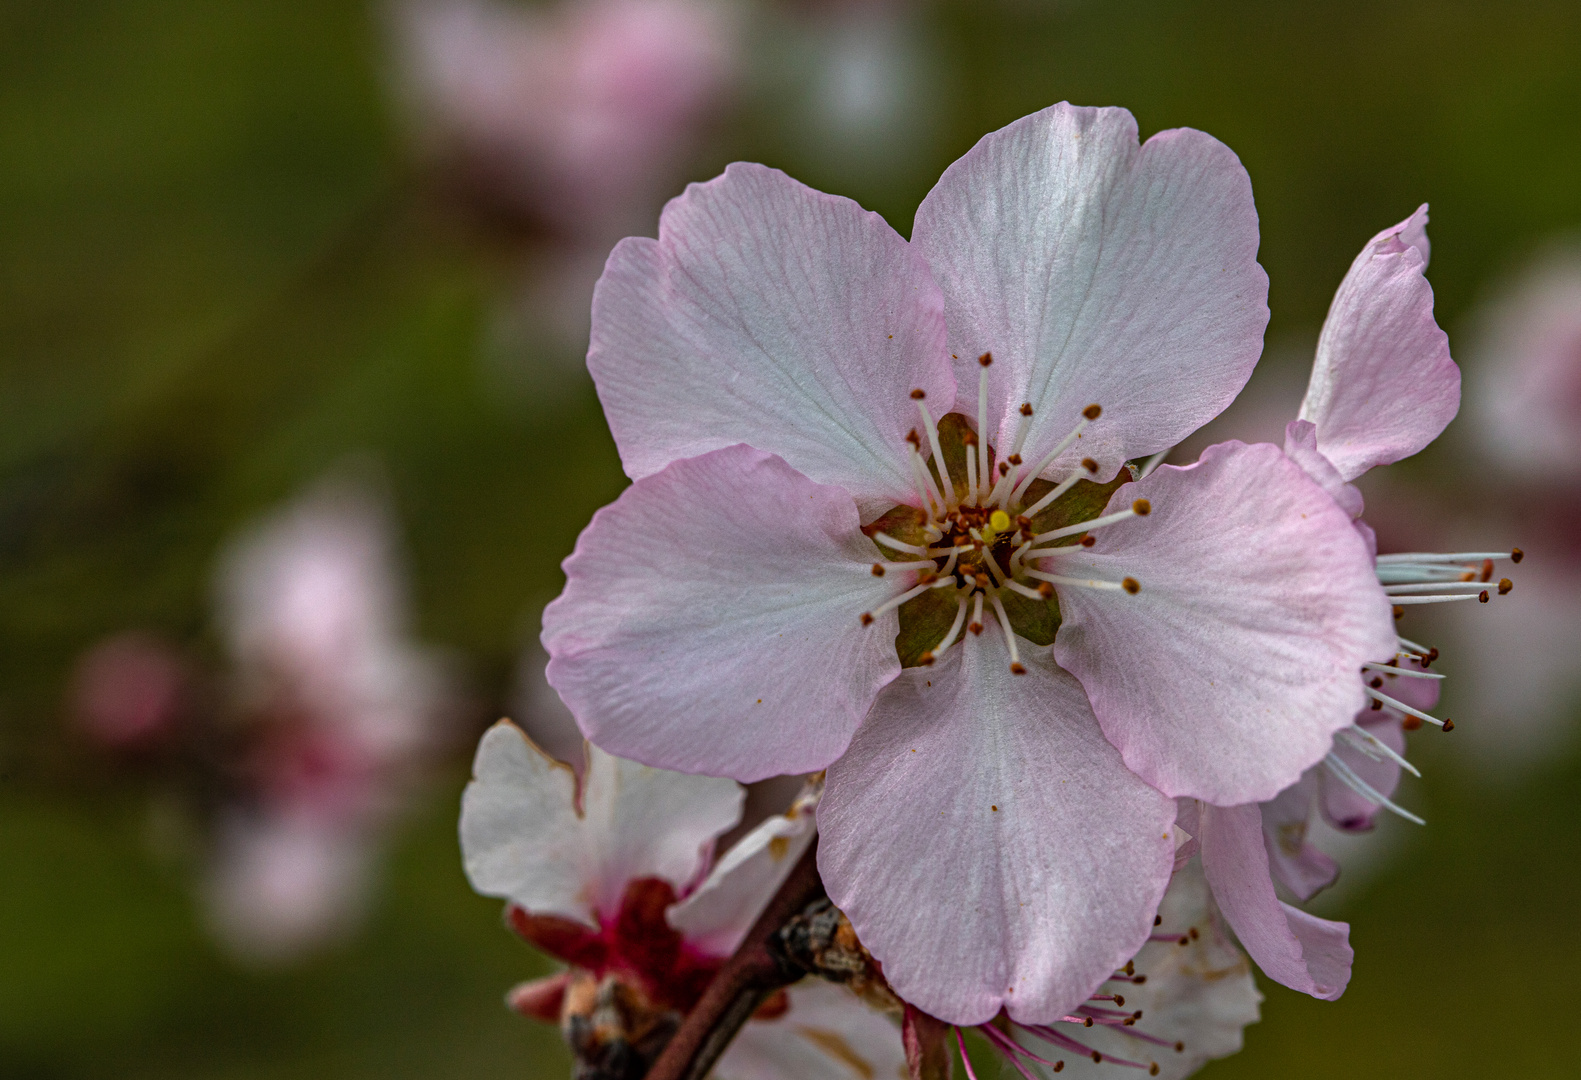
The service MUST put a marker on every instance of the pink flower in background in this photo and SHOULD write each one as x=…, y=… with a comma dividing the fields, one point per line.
x=780, y=371
x=129, y=691
x=581, y=116
x=616, y=877
x=338, y=710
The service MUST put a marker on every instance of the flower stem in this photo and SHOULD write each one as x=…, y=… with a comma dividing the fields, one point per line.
x=753, y=972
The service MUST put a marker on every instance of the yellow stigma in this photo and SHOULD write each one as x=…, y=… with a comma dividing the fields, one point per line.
x=999, y=521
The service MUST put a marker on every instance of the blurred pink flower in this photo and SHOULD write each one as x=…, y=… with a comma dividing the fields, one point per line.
x=129, y=691
x=339, y=709
x=760, y=365
x=581, y=116
x=615, y=875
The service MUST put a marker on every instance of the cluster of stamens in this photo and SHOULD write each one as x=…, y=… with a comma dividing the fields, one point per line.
x=1103, y=1009
x=979, y=541
x=1410, y=579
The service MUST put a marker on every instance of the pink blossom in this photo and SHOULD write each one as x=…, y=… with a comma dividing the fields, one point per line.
x=780, y=370
x=615, y=877
x=338, y=708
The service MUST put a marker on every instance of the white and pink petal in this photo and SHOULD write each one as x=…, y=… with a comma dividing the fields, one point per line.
x=996, y=798
x=711, y=620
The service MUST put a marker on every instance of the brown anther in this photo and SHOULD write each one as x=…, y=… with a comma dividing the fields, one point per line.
x=1131, y=585
x=974, y=628
x=986, y=359
x=1026, y=408
x=1004, y=468
x=1158, y=920
x=1449, y=725
x=1014, y=459
x=1141, y=508
x=1045, y=590
x=1088, y=1023
x=1139, y=980
x=1097, y=1057
x=1482, y=596
x=1130, y=967
x=1092, y=412
x=1399, y=612
x=1024, y=523
x=1505, y=585
x=1467, y=576
x=1376, y=684
x=970, y=438
x=1411, y=723
x=867, y=618
x=1152, y=1069
x=1089, y=464
x=1193, y=933
x=982, y=581
x=1017, y=669
x=1516, y=555
x=1180, y=1048
x=927, y=577
x=878, y=569
x=1487, y=570
x=1184, y=940
x=918, y=394
x=925, y=660
x=1059, y=1065
x=914, y=439
x=1377, y=706
x=1432, y=654
x=1088, y=541
x=1119, y=1001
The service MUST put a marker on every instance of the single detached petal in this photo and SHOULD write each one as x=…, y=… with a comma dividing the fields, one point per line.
x=1383, y=385
x=1198, y=996
x=1099, y=271
x=770, y=314
x=1294, y=861
x=718, y=915
x=1227, y=675
x=987, y=843
x=827, y=1033
x=711, y=620
x=1301, y=951
x=524, y=838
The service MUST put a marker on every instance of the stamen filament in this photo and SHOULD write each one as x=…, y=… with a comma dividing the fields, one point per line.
x=1348, y=777
x=1048, y=459
x=971, y=472
x=896, y=601
x=938, y=453
x=1025, y=590
x=1392, y=703
x=900, y=545
x=1085, y=526
x=1435, y=586
x=976, y=625
x=1368, y=743
x=1010, y=635
x=1420, y=650
x=1081, y=583
x=1439, y=557
x=960, y=1041
x=982, y=426
x=1410, y=673
x=1409, y=600
x=955, y=627
x=1152, y=463
x=924, y=481
x=1055, y=492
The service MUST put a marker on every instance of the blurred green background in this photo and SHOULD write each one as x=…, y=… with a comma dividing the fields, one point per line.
x=223, y=271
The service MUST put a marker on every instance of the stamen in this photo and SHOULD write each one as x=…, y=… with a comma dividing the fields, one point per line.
x=1026, y=591
x=1151, y=463
x=1080, y=583
x=960, y=1041
x=1140, y=508
x=896, y=601
x=1434, y=587
x=1404, y=601
x=1409, y=673
x=1012, y=1048
x=1368, y=743
x=1459, y=557
x=972, y=443
x=1420, y=650
x=1088, y=415
x=955, y=627
x=924, y=481
x=1348, y=777
x=933, y=440
x=1010, y=636
x=1055, y=492
x=1023, y=426
x=900, y=545
x=982, y=423
x=1378, y=695
x=976, y=625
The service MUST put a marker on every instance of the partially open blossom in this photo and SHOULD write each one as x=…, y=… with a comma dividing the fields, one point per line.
x=1008, y=653
x=335, y=708
x=616, y=877
x=1383, y=387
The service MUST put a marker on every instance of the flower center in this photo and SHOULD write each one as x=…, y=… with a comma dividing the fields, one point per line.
x=988, y=533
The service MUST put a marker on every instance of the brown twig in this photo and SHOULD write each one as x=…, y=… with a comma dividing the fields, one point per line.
x=753, y=972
